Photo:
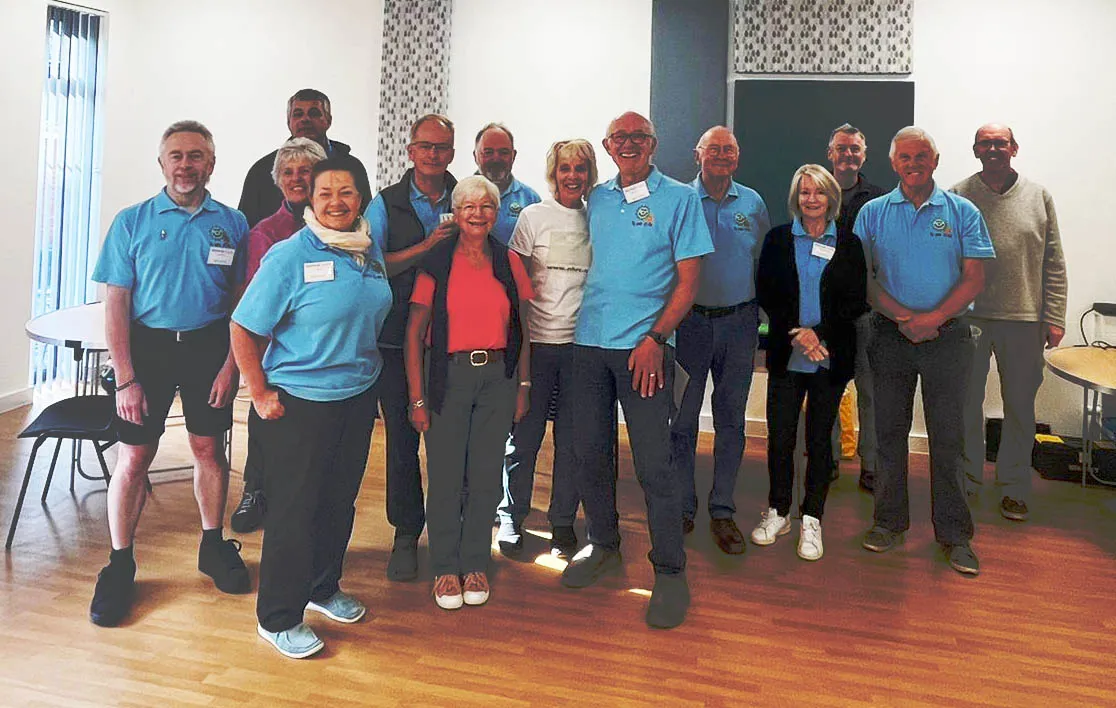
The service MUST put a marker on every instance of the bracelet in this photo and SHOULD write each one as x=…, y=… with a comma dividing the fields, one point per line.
x=126, y=384
x=418, y=404
x=525, y=384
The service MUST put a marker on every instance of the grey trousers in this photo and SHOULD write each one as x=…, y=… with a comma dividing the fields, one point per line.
x=944, y=365
x=465, y=449
x=1018, y=349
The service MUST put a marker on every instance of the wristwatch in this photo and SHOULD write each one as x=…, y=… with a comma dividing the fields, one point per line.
x=658, y=338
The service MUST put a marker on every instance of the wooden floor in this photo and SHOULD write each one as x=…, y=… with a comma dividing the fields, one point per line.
x=1037, y=628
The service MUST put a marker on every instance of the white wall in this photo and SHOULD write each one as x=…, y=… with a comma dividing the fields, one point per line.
x=1045, y=69
x=549, y=71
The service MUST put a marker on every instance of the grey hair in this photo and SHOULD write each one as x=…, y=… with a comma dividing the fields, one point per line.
x=309, y=94
x=825, y=180
x=472, y=186
x=847, y=129
x=188, y=126
x=296, y=149
x=497, y=126
x=912, y=132
x=436, y=118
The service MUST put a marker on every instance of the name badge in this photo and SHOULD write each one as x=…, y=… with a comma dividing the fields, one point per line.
x=318, y=272
x=635, y=192
x=221, y=256
x=822, y=251
x=443, y=218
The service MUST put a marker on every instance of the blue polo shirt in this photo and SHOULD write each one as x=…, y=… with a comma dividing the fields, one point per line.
x=323, y=333
x=737, y=224
x=635, y=248
x=809, y=268
x=512, y=201
x=916, y=254
x=429, y=215
x=166, y=256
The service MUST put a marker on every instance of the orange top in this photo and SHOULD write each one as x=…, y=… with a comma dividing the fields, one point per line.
x=476, y=303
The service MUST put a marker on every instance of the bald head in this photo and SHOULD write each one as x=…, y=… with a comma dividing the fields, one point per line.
x=717, y=133
x=994, y=145
x=631, y=142
x=994, y=128
x=631, y=121
x=718, y=154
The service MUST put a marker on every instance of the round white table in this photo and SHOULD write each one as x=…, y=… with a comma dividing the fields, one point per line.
x=1094, y=370
x=80, y=328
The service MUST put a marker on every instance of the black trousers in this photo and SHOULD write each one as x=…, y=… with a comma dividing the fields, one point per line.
x=405, y=506
x=784, y=401
x=313, y=460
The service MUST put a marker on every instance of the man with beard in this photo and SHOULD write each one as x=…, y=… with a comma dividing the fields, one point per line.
x=848, y=152
x=173, y=267
x=308, y=116
x=1022, y=309
x=648, y=235
x=925, y=249
x=494, y=151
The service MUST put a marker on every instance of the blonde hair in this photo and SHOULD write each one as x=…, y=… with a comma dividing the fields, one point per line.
x=577, y=149
x=823, y=179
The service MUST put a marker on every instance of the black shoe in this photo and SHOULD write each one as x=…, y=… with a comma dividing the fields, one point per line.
x=563, y=541
x=113, y=596
x=589, y=565
x=867, y=480
x=250, y=512
x=221, y=561
x=510, y=538
x=687, y=526
x=670, y=600
x=402, y=564
x=834, y=472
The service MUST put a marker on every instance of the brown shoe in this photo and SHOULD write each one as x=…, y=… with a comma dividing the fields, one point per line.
x=727, y=535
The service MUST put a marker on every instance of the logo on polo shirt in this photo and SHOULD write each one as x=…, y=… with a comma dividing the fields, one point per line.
x=646, y=218
x=939, y=227
x=741, y=220
x=514, y=208
x=218, y=237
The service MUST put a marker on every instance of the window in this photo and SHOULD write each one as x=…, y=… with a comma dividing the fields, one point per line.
x=67, y=222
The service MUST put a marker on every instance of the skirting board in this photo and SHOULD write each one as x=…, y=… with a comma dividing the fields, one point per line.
x=15, y=399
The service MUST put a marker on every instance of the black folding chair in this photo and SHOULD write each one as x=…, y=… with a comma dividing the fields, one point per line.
x=78, y=418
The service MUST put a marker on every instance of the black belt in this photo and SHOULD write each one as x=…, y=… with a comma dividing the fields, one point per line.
x=715, y=312
x=479, y=357
x=208, y=332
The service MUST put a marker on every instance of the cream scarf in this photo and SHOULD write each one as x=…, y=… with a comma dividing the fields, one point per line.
x=356, y=242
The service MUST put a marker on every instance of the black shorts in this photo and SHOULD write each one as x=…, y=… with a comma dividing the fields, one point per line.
x=187, y=362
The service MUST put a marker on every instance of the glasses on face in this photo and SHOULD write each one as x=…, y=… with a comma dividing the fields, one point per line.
x=485, y=209
x=432, y=147
x=998, y=144
x=638, y=139
x=718, y=150
x=847, y=149
x=502, y=153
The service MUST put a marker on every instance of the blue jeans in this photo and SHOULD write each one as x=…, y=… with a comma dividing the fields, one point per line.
x=601, y=378
x=944, y=365
x=725, y=346
x=551, y=368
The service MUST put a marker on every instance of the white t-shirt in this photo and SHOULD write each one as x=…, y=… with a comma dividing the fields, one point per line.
x=556, y=242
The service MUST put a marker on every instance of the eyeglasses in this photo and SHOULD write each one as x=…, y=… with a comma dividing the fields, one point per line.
x=432, y=147
x=717, y=150
x=503, y=153
x=638, y=139
x=999, y=144
x=849, y=149
x=469, y=209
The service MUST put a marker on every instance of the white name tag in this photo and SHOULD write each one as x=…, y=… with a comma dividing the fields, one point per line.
x=443, y=218
x=635, y=192
x=221, y=256
x=822, y=251
x=318, y=272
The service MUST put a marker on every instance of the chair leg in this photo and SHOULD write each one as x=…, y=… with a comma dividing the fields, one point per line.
x=23, y=492
x=101, y=459
x=50, y=474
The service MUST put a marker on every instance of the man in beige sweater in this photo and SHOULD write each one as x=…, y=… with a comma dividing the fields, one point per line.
x=1021, y=310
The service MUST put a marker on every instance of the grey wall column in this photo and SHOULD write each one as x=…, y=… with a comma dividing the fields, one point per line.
x=689, y=77
x=415, y=76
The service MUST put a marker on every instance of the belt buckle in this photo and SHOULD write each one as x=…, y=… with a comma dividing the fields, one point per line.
x=478, y=357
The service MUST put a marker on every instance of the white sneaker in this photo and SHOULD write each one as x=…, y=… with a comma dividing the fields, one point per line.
x=770, y=527
x=810, y=540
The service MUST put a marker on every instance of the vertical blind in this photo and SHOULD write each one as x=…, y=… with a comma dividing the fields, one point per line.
x=67, y=221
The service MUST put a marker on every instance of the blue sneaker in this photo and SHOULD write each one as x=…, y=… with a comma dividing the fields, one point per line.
x=298, y=642
x=339, y=608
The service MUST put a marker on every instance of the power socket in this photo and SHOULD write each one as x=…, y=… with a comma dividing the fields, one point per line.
x=1105, y=309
